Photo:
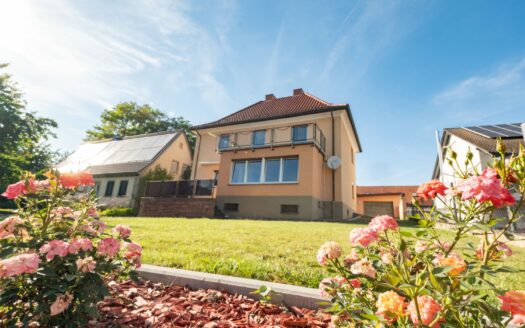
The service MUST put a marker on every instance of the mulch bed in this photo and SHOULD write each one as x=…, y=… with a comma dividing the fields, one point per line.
x=146, y=304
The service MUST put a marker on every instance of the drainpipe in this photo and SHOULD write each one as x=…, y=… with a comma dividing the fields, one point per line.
x=197, y=157
x=333, y=153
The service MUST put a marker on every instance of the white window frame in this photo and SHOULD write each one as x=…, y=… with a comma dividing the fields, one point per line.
x=262, y=178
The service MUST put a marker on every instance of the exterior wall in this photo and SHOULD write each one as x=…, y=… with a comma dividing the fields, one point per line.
x=176, y=207
x=397, y=200
x=178, y=150
x=129, y=200
x=314, y=188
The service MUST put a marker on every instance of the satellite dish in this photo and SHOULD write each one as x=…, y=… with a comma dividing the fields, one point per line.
x=333, y=162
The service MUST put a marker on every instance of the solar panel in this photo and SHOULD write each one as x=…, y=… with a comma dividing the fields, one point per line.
x=505, y=131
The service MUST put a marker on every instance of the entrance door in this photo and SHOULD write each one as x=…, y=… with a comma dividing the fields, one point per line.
x=379, y=208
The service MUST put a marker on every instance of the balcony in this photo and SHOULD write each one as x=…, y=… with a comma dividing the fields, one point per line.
x=274, y=137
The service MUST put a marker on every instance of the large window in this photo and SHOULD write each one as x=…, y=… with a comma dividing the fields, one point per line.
x=123, y=188
x=109, y=188
x=259, y=138
x=266, y=170
x=300, y=133
x=224, y=141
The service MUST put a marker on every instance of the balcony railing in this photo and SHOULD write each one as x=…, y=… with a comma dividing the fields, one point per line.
x=181, y=189
x=274, y=137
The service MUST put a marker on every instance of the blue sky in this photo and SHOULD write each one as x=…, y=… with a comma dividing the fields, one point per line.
x=406, y=68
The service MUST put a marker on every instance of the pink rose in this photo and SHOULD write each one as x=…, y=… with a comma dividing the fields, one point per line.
x=351, y=258
x=14, y=190
x=421, y=246
x=429, y=190
x=383, y=223
x=19, y=264
x=86, y=265
x=122, y=230
x=362, y=236
x=513, y=301
x=363, y=267
x=518, y=319
x=428, y=308
x=108, y=246
x=92, y=212
x=54, y=248
x=85, y=244
x=486, y=188
x=98, y=225
x=74, y=246
x=61, y=303
x=9, y=226
x=38, y=185
x=328, y=251
x=133, y=253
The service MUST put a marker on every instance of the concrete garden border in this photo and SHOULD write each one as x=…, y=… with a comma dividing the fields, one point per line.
x=283, y=294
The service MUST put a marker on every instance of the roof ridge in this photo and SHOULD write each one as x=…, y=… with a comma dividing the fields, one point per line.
x=143, y=135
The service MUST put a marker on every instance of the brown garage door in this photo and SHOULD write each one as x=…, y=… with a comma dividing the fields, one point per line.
x=379, y=208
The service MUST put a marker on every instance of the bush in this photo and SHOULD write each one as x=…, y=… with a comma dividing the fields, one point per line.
x=399, y=279
x=119, y=211
x=56, y=257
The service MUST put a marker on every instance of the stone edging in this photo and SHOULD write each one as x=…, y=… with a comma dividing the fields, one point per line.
x=283, y=294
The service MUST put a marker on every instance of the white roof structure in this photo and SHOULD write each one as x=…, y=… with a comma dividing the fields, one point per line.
x=127, y=155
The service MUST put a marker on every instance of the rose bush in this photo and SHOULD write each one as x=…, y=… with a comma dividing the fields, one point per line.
x=402, y=279
x=56, y=256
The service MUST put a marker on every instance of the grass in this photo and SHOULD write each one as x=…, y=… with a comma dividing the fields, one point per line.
x=279, y=251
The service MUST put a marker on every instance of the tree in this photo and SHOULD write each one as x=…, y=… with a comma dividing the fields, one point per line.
x=129, y=118
x=23, y=135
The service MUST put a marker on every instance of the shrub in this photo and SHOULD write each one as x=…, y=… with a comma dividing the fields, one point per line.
x=119, y=211
x=56, y=256
x=396, y=278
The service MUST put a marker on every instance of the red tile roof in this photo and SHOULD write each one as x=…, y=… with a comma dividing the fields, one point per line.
x=301, y=103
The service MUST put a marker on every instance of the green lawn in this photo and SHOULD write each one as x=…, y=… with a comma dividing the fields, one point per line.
x=280, y=251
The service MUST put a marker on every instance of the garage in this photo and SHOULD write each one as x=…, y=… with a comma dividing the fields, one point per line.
x=378, y=208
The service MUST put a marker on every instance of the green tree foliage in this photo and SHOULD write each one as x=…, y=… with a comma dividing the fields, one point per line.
x=157, y=174
x=129, y=118
x=23, y=135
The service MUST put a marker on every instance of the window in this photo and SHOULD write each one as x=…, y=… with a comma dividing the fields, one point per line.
x=123, y=188
x=254, y=171
x=109, y=188
x=271, y=170
x=224, y=141
x=231, y=207
x=289, y=209
x=97, y=188
x=174, y=167
x=290, y=169
x=299, y=133
x=259, y=138
x=238, y=172
x=181, y=145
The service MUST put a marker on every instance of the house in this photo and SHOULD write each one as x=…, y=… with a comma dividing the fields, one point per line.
x=481, y=141
x=118, y=165
x=395, y=201
x=269, y=160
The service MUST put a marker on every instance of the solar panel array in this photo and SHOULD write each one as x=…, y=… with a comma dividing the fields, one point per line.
x=504, y=131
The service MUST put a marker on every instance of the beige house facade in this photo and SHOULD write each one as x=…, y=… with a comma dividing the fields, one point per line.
x=119, y=165
x=269, y=160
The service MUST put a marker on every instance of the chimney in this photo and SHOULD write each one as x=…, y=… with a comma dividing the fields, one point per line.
x=297, y=92
x=271, y=96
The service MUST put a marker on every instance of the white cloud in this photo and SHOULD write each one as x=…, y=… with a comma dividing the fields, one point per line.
x=72, y=61
x=485, y=96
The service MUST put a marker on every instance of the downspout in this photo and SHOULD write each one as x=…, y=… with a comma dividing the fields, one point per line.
x=333, y=154
x=197, y=156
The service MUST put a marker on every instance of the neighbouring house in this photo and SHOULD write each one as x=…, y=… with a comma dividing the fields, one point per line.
x=269, y=160
x=118, y=165
x=395, y=201
x=481, y=141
